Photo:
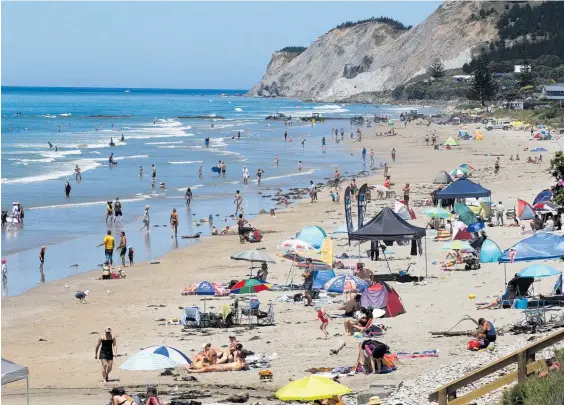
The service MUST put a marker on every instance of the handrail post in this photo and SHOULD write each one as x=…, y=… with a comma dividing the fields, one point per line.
x=522, y=366
x=443, y=398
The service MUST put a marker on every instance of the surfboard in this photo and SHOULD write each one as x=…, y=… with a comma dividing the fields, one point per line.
x=215, y=169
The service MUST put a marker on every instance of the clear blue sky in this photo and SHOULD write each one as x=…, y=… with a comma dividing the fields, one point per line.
x=170, y=45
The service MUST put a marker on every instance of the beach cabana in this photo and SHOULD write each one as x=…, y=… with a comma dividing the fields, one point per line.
x=524, y=210
x=452, y=142
x=463, y=188
x=442, y=177
x=389, y=226
x=12, y=372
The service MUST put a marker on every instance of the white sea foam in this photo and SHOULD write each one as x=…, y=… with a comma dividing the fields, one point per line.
x=302, y=173
x=191, y=187
x=121, y=158
x=60, y=153
x=238, y=109
x=61, y=170
x=87, y=204
x=164, y=143
x=65, y=115
x=26, y=161
x=188, y=162
x=48, y=116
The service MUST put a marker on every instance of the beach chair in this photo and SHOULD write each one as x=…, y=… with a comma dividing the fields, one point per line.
x=191, y=317
x=252, y=310
x=269, y=318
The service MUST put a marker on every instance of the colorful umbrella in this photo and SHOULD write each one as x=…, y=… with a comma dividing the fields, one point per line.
x=295, y=245
x=538, y=271
x=457, y=245
x=475, y=227
x=437, y=212
x=466, y=166
x=148, y=362
x=205, y=288
x=250, y=286
x=459, y=172
x=174, y=354
x=345, y=283
x=311, y=388
x=546, y=206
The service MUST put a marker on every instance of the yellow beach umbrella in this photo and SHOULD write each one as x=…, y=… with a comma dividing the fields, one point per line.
x=311, y=388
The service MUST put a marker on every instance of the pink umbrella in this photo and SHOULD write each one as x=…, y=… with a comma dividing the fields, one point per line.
x=295, y=245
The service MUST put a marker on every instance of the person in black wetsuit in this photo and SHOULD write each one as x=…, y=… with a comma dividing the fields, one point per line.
x=108, y=349
x=67, y=188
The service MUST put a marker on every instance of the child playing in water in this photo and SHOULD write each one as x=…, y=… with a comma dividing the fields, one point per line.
x=323, y=317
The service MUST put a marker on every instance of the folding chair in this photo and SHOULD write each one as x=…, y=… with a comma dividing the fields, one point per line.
x=191, y=317
x=252, y=310
x=269, y=318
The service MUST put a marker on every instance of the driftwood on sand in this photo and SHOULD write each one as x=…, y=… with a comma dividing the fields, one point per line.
x=454, y=333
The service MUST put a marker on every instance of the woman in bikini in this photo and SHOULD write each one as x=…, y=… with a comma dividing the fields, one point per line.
x=119, y=397
x=174, y=224
x=237, y=365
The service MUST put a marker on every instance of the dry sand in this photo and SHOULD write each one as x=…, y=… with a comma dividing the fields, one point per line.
x=63, y=368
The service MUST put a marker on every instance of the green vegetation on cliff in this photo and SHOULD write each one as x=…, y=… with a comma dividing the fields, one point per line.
x=293, y=49
x=385, y=20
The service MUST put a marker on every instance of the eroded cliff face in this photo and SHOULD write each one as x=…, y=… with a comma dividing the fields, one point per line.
x=374, y=57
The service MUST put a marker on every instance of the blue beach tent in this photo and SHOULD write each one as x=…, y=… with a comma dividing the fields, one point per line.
x=540, y=246
x=313, y=235
x=463, y=188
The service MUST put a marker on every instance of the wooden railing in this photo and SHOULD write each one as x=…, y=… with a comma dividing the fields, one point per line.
x=526, y=364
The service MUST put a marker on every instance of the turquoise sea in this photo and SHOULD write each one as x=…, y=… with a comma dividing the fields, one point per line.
x=81, y=121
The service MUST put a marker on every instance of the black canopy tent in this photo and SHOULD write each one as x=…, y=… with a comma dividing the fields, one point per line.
x=388, y=226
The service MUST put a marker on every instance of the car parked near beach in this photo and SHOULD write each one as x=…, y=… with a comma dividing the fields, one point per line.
x=505, y=125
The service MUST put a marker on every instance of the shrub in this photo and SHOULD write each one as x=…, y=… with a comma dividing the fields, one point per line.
x=293, y=49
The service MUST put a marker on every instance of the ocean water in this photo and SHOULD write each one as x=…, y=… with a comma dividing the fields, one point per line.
x=80, y=122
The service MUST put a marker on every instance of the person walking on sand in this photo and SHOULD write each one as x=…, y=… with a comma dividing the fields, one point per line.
x=67, y=188
x=146, y=219
x=499, y=210
x=108, y=243
x=308, y=282
x=323, y=316
x=238, y=203
x=201, y=172
x=188, y=197
x=393, y=154
x=106, y=350
x=131, y=255
x=122, y=248
x=312, y=191
x=363, y=155
x=245, y=175
x=174, y=224
x=337, y=179
x=371, y=157
x=406, y=191
x=385, y=170
x=496, y=166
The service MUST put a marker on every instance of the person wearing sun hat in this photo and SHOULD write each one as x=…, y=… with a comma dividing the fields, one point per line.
x=146, y=219
x=374, y=401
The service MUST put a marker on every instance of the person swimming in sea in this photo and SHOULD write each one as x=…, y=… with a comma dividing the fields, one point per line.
x=50, y=145
x=111, y=160
x=112, y=142
x=122, y=138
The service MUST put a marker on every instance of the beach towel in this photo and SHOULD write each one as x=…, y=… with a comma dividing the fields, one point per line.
x=417, y=355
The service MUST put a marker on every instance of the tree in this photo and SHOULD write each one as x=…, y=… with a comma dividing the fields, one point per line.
x=437, y=69
x=483, y=86
x=557, y=169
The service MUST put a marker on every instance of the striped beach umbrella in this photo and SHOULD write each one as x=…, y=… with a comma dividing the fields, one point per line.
x=250, y=286
x=148, y=362
x=174, y=354
x=345, y=283
x=295, y=245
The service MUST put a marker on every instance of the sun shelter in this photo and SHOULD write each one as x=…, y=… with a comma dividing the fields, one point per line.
x=442, y=177
x=12, y=372
x=489, y=252
x=380, y=295
x=465, y=214
x=540, y=246
x=388, y=226
x=463, y=188
x=524, y=210
x=312, y=234
x=452, y=142
x=543, y=196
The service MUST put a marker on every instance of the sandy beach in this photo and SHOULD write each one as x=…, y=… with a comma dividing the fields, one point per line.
x=47, y=330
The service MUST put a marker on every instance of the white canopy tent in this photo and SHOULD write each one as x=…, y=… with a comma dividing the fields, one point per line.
x=12, y=372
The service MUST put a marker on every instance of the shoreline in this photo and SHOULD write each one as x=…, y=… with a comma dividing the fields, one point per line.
x=52, y=313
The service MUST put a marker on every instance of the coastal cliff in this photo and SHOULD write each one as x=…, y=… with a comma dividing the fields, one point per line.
x=377, y=56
